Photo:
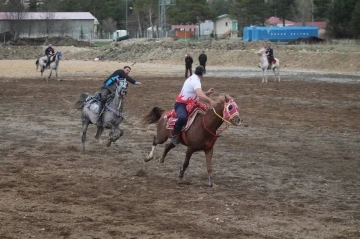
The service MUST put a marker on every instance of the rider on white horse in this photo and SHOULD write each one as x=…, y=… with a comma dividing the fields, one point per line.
x=270, y=55
x=110, y=85
x=49, y=52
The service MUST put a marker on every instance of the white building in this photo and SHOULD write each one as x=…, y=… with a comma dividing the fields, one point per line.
x=226, y=27
x=79, y=25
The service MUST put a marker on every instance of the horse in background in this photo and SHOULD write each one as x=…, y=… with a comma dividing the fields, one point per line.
x=264, y=65
x=111, y=115
x=201, y=134
x=54, y=64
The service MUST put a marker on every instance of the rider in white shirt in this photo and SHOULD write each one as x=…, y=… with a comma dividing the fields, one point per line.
x=190, y=92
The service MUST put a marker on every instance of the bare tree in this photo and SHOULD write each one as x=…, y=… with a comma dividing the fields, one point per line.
x=49, y=18
x=303, y=10
x=109, y=25
x=64, y=27
x=15, y=15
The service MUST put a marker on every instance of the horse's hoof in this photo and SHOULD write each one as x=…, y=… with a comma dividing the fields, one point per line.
x=161, y=160
x=181, y=173
x=108, y=143
x=148, y=159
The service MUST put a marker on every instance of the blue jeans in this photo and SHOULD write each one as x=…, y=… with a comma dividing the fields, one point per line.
x=180, y=109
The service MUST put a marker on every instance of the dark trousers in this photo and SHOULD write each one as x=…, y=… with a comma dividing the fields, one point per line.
x=203, y=65
x=182, y=115
x=188, y=69
x=104, y=94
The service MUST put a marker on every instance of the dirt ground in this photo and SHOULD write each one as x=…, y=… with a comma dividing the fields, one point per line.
x=291, y=171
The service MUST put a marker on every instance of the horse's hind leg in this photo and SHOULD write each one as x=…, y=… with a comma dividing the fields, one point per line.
x=56, y=71
x=151, y=154
x=99, y=131
x=168, y=147
x=85, y=124
x=158, y=140
x=188, y=155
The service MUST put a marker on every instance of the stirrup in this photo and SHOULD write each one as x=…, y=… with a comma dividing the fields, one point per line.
x=175, y=140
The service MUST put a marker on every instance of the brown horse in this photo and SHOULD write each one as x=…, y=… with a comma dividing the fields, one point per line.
x=201, y=135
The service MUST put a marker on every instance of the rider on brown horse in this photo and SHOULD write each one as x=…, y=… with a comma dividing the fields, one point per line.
x=190, y=92
x=110, y=85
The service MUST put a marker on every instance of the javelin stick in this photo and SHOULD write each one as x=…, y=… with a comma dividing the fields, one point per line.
x=133, y=63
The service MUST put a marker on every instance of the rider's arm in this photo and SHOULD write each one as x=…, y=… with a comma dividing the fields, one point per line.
x=203, y=97
x=123, y=75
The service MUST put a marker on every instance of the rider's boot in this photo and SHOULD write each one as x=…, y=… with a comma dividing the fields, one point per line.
x=175, y=137
x=99, y=117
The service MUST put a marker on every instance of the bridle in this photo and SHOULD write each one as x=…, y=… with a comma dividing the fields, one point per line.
x=229, y=112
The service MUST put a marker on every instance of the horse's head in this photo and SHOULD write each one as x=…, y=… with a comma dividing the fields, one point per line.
x=122, y=87
x=59, y=55
x=231, y=111
x=261, y=51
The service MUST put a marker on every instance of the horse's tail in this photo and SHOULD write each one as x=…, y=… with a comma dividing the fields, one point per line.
x=79, y=104
x=37, y=64
x=153, y=116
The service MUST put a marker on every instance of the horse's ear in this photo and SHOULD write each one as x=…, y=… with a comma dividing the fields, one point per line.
x=227, y=98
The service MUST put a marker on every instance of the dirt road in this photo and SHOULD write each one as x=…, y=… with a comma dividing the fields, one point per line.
x=292, y=170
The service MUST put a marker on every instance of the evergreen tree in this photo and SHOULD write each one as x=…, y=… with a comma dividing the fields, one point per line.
x=339, y=18
x=355, y=20
x=33, y=6
x=321, y=9
x=250, y=12
x=189, y=12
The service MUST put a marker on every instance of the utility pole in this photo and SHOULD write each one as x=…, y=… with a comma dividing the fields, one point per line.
x=312, y=10
x=126, y=16
x=163, y=4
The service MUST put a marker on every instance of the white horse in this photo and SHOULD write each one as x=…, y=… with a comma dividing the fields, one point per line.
x=264, y=64
x=54, y=64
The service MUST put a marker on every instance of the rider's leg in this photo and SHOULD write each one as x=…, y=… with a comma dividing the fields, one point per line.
x=180, y=122
x=104, y=93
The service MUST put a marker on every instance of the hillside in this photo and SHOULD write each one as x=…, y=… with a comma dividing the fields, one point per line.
x=324, y=57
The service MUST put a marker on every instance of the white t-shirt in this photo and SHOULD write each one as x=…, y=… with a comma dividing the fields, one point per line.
x=187, y=93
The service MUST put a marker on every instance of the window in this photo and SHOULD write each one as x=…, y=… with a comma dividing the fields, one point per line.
x=226, y=24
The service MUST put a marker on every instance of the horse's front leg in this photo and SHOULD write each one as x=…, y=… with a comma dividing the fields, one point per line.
x=263, y=76
x=277, y=73
x=50, y=73
x=188, y=155
x=114, y=135
x=208, y=155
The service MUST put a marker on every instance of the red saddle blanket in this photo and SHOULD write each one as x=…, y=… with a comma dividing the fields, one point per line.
x=192, y=109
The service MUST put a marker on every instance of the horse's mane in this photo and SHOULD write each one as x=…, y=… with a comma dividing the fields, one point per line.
x=221, y=98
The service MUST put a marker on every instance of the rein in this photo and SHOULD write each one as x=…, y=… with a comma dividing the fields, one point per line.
x=215, y=136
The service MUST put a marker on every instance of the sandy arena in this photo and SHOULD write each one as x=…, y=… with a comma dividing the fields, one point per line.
x=291, y=171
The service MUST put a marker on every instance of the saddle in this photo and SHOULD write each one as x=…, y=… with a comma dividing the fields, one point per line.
x=193, y=109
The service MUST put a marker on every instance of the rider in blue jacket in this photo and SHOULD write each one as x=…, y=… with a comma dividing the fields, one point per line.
x=110, y=85
x=49, y=52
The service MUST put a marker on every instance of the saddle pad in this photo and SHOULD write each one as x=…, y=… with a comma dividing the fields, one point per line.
x=170, y=123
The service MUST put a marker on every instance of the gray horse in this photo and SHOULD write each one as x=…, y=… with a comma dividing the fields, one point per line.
x=111, y=117
x=54, y=65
